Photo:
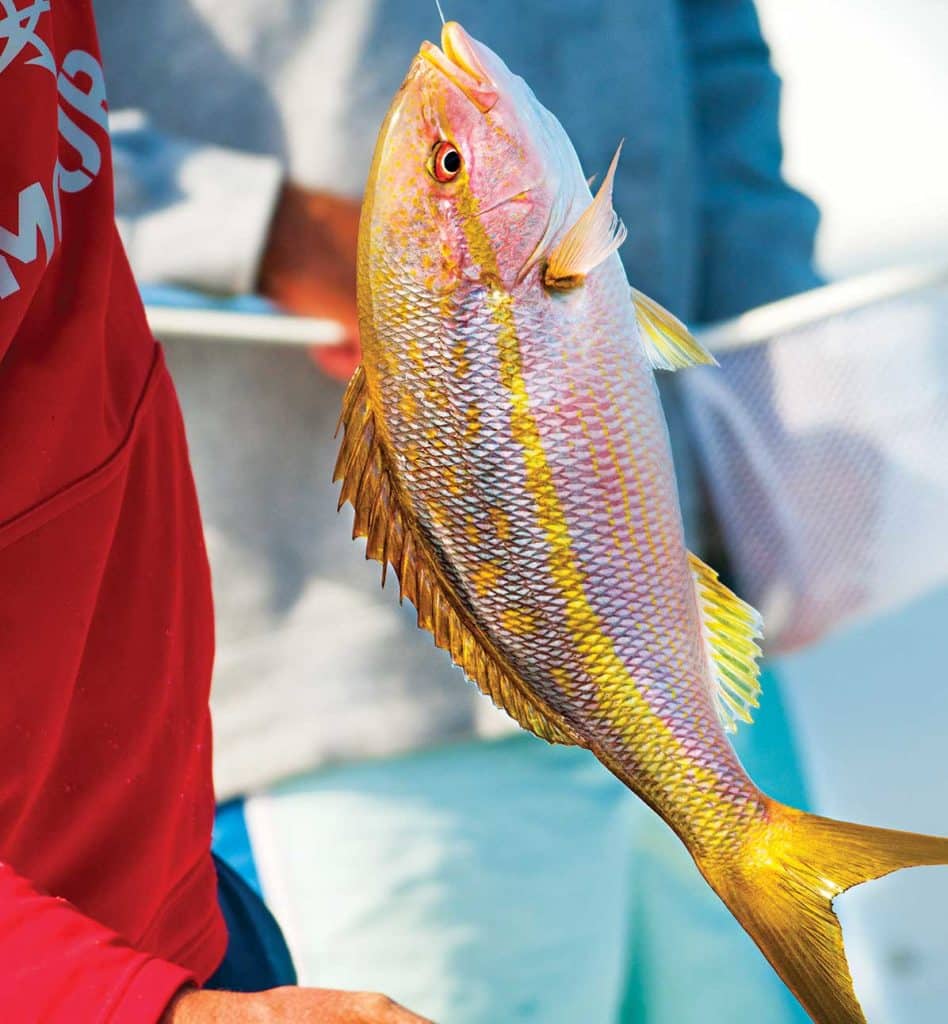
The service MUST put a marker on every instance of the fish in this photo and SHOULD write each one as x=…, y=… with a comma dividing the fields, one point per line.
x=505, y=453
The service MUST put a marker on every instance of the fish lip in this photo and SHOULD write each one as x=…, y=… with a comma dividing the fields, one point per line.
x=458, y=46
x=458, y=62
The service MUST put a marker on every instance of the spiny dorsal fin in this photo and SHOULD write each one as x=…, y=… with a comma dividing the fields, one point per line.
x=391, y=538
x=593, y=238
x=668, y=343
x=731, y=627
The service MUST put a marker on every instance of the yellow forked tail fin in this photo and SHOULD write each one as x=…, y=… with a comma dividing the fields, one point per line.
x=782, y=887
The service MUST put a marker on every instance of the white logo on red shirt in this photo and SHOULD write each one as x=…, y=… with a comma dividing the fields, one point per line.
x=18, y=30
x=81, y=87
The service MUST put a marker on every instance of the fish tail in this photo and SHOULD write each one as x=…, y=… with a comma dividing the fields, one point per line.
x=781, y=888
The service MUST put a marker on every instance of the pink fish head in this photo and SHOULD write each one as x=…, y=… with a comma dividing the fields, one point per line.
x=467, y=141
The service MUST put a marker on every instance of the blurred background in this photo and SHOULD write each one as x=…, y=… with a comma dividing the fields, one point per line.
x=406, y=838
x=863, y=86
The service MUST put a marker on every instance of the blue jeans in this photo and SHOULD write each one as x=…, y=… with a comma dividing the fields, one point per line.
x=257, y=957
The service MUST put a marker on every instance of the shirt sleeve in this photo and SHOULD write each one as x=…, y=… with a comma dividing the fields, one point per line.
x=758, y=233
x=190, y=213
x=61, y=967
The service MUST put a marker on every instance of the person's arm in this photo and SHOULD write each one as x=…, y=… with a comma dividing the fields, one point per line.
x=758, y=233
x=309, y=267
x=225, y=221
x=60, y=967
x=287, y=1006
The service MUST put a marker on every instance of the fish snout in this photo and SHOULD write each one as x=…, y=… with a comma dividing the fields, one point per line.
x=458, y=60
x=462, y=49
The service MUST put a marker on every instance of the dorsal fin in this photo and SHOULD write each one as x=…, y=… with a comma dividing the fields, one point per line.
x=392, y=538
x=593, y=238
x=731, y=627
x=668, y=343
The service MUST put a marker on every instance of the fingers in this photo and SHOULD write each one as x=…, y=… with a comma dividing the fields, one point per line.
x=375, y=1008
x=332, y=1006
x=379, y=1009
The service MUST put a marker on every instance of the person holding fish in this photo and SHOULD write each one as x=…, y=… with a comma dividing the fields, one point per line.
x=484, y=879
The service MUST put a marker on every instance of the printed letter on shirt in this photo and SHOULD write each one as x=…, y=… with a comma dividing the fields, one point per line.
x=81, y=86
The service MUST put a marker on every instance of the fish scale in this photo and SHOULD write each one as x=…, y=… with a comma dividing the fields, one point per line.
x=640, y=642
x=505, y=451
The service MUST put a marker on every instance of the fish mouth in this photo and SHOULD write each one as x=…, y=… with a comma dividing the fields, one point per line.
x=458, y=61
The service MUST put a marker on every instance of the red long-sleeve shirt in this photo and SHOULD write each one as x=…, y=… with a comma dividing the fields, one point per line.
x=107, y=890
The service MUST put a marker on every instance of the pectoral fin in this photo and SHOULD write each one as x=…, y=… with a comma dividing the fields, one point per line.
x=591, y=240
x=668, y=343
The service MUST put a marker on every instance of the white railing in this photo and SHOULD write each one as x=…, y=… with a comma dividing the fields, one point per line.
x=778, y=318
x=171, y=323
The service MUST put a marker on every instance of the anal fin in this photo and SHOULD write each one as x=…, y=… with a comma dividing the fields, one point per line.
x=731, y=628
x=392, y=538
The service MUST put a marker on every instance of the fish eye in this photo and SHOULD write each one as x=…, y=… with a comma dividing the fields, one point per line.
x=445, y=163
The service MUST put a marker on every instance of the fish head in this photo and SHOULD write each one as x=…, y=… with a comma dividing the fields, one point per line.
x=473, y=179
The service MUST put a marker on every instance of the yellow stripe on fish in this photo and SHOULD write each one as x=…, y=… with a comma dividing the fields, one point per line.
x=622, y=705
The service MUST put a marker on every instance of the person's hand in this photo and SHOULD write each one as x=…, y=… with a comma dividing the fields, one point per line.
x=309, y=267
x=287, y=1006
